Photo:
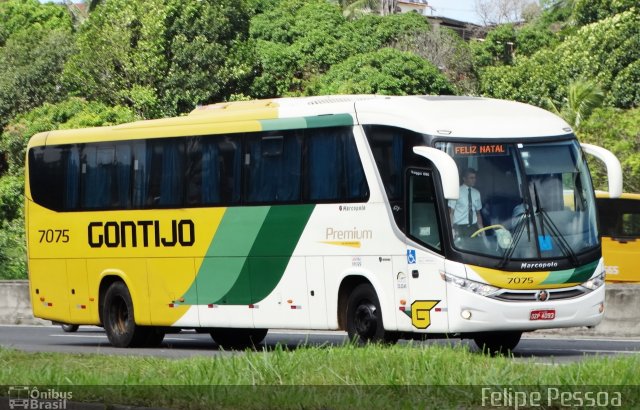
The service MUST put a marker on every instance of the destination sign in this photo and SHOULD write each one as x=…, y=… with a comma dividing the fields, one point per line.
x=479, y=149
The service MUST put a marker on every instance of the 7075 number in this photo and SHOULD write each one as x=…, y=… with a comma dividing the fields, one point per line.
x=54, y=235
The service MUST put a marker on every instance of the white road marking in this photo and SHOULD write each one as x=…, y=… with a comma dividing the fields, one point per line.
x=81, y=336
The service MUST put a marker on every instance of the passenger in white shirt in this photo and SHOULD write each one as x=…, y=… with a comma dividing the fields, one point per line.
x=465, y=211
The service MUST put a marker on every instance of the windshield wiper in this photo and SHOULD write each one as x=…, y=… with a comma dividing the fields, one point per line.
x=522, y=223
x=546, y=219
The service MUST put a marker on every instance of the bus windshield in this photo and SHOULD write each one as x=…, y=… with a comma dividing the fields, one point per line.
x=522, y=201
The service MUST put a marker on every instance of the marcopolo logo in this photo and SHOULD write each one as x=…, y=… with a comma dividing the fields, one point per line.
x=31, y=398
x=539, y=265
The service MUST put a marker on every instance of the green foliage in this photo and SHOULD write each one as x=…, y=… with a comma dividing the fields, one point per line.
x=11, y=196
x=388, y=71
x=497, y=46
x=12, y=243
x=19, y=16
x=35, y=41
x=600, y=52
x=13, y=249
x=625, y=90
x=31, y=64
x=532, y=38
x=294, y=40
x=446, y=50
x=162, y=57
x=590, y=11
x=301, y=39
x=531, y=80
x=618, y=131
x=583, y=98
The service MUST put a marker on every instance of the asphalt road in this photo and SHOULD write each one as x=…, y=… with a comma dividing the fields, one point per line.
x=540, y=348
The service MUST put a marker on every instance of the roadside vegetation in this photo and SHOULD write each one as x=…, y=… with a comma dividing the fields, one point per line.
x=373, y=376
x=115, y=61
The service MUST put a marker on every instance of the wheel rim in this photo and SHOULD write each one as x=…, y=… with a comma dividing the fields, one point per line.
x=365, y=320
x=119, y=315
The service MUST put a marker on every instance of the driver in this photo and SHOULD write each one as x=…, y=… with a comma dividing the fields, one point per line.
x=465, y=211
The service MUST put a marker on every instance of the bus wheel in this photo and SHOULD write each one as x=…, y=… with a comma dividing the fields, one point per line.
x=118, y=321
x=231, y=338
x=364, y=317
x=496, y=343
x=69, y=328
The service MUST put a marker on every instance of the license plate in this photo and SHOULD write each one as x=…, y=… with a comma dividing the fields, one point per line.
x=544, y=314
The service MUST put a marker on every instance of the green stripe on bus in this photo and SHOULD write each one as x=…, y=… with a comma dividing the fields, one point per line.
x=319, y=121
x=248, y=254
x=227, y=254
x=274, y=246
x=577, y=275
x=583, y=273
x=335, y=120
x=283, y=124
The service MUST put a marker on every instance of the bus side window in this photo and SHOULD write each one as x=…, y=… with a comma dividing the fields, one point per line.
x=423, y=214
x=273, y=162
x=213, y=170
x=333, y=168
x=166, y=172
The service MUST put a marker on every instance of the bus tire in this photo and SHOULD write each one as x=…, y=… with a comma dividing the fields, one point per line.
x=69, y=328
x=154, y=337
x=232, y=338
x=118, y=318
x=497, y=343
x=364, y=317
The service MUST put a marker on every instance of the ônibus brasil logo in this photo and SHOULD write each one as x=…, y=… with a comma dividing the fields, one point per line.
x=31, y=398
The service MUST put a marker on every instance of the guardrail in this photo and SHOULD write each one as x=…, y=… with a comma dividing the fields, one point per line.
x=621, y=317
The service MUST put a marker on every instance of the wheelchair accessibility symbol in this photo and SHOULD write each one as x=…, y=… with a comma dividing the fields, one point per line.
x=411, y=256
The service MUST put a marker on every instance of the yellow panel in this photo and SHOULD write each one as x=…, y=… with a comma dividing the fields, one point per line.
x=620, y=260
x=169, y=279
x=133, y=272
x=121, y=234
x=81, y=307
x=49, y=289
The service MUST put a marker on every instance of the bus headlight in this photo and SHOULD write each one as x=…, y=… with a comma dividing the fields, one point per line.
x=478, y=288
x=595, y=282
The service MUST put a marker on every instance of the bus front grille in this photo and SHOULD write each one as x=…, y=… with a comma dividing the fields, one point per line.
x=530, y=295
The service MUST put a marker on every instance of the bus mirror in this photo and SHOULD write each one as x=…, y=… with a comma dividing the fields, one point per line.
x=446, y=167
x=614, y=169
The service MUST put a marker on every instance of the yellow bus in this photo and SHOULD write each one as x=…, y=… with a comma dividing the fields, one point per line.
x=620, y=229
x=324, y=212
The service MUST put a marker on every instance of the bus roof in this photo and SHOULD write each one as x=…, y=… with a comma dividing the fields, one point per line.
x=448, y=116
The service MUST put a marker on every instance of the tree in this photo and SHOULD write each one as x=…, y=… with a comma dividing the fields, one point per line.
x=583, y=98
x=589, y=11
x=24, y=15
x=31, y=65
x=601, y=52
x=162, y=57
x=35, y=41
x=446, y=50
x=387, y=71
x=302, y=39
x=494, y=12
x=617, y=130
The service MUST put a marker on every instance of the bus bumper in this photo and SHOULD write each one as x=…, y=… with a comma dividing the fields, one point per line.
x=469, y=312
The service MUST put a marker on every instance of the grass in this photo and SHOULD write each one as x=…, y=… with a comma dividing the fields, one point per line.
x=310, y=377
